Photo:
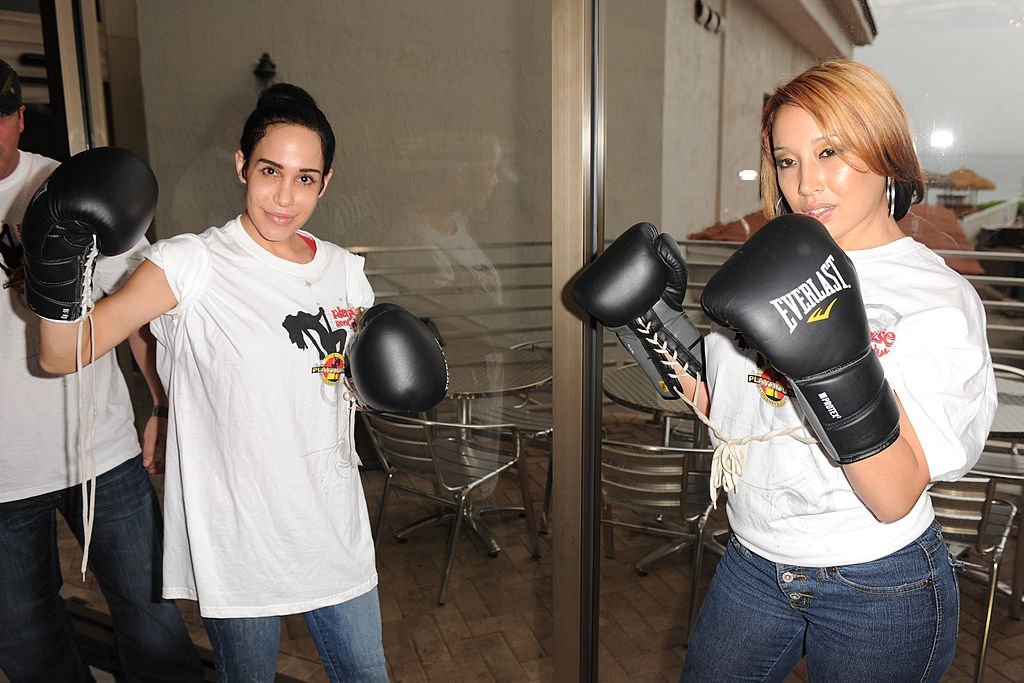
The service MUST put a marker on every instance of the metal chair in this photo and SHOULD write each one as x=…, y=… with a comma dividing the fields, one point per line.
x=450, y=462
x=668, y=487
x=531, y=412
x=975, y=526
x=1003, y=460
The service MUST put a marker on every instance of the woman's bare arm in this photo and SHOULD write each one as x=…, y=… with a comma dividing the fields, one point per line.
x=891, y=482
x=145, y=296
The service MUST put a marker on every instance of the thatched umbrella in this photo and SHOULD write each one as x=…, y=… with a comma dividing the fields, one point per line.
x=968, y=179
x=962, y=179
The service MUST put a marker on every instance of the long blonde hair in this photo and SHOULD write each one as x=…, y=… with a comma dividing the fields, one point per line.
x=856, y=107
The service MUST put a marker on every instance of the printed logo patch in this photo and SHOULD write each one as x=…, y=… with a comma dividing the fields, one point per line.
x=819, y=315
x=771, y=384
x=806, y=298
x=332, y=369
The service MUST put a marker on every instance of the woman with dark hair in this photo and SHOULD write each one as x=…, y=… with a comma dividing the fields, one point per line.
x=263, y=501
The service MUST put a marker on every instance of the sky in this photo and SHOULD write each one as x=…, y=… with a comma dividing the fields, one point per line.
x=958, y=66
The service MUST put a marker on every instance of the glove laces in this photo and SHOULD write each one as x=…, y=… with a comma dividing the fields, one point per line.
x=87, y=436
x=731, y=454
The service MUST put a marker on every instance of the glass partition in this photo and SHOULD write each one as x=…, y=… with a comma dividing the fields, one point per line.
x=443, y=183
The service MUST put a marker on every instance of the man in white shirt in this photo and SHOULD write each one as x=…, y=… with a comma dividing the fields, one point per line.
x=46, y=427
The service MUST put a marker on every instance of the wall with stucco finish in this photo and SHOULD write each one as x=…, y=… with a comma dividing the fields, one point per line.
x=389, y=75
x=683, y=105
x=402, y=80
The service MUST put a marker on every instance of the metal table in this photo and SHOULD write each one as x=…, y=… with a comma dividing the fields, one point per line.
x=630, y=387
x=1008, y=424
x=477, y=370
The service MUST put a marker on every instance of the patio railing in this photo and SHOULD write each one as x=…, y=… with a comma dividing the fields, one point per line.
x=521, y=310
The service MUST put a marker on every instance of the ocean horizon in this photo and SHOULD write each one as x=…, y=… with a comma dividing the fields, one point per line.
x=1006, y=170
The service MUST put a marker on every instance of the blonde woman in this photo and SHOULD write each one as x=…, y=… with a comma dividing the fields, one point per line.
x=846, y=370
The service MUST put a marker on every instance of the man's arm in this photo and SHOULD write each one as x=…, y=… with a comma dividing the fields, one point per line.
x=154, y=437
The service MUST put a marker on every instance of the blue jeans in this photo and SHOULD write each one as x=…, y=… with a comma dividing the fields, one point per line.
x=36, y=638
x=348, y=637
x=893, y=619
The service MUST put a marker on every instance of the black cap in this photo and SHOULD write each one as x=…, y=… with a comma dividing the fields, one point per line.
x=10, y=89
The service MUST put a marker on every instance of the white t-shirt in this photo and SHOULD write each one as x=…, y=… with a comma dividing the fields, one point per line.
x=263, y=504
x=795, y=506
x=39, y=418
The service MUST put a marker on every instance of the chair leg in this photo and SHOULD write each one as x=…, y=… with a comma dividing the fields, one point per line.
x=659, y=553
x=531, y=519
x=440, y=517
x=986, y=622
x=545, y=519
x=608, y=532
x=383, y=506
x=453, y=539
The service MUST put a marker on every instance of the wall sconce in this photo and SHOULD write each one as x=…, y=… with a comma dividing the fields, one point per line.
x=708, y=18
x=265, y=70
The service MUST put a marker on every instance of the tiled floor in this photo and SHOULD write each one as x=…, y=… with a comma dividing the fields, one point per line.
x=496, y=625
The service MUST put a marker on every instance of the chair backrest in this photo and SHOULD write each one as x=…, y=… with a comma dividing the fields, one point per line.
x=543, y=344
x=1008, y=370
x=964, y=509
x=656, y=479
x=401, y=444
x=450, y=455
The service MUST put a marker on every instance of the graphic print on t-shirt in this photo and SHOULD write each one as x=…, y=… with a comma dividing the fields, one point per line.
x=309, y=328
x=10, y=260
x=882, y=321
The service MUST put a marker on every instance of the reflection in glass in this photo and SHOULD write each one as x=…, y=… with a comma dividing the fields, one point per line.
x=451, y=178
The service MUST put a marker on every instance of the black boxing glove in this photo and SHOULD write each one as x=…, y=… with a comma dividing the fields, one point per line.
x=793, y=294
x=635, y=288
x=98, y=201
x=395, y=362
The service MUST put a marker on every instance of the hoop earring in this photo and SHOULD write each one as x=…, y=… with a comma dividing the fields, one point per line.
x=779, y=211
x=890, y=195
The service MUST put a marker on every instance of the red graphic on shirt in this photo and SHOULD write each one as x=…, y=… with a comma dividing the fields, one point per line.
x=882, y=341
x=771, y=384
x=346, y=317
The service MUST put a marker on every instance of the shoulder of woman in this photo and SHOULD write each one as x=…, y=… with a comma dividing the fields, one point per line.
x=177, y=246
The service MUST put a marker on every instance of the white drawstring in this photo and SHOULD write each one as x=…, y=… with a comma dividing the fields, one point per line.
x=87, y=447
x=729, y=457
x=351, y=445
